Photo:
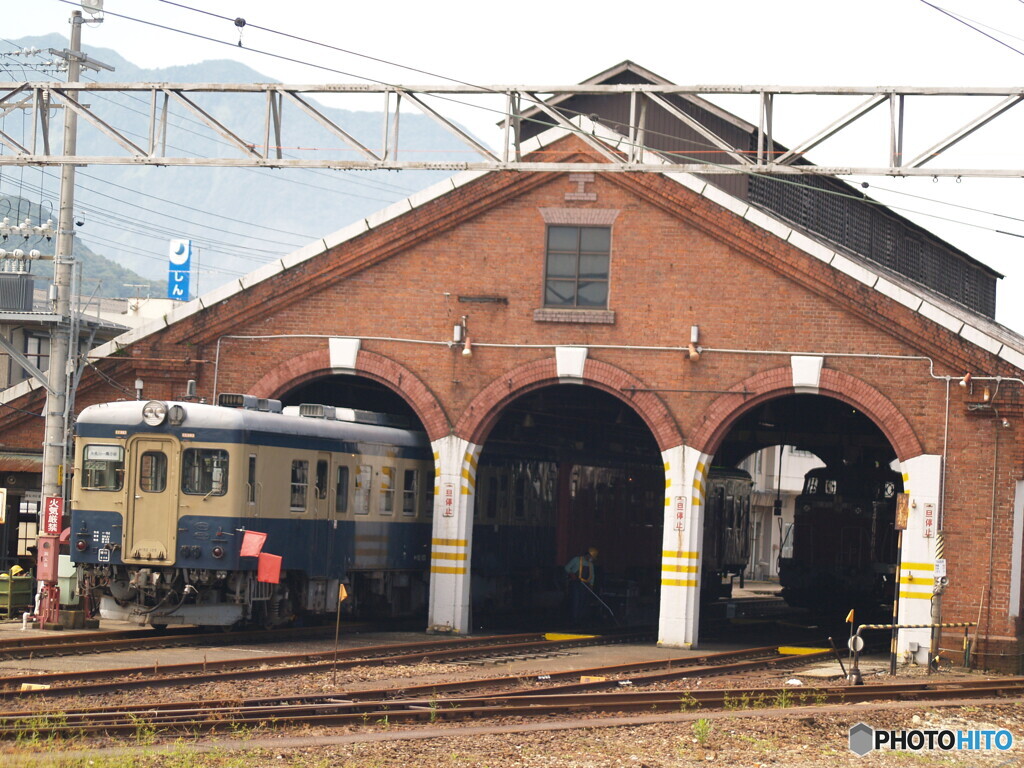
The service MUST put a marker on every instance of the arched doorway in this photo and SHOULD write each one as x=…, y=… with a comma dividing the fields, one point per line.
x=564, y=468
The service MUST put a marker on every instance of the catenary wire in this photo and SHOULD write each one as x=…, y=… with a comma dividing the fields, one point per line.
x=971, y=26
x=690, y=158
x=697, y=160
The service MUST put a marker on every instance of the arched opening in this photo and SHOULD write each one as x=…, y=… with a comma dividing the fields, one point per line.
x=350, y=391
x=563, y=469
x=823, y=503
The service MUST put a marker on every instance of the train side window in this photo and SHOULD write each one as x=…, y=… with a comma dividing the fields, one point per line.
x=410, y=482
x=103, y=468
x=519, y=495
x=204, y=472
x=341, y=491
x=153, y=471
x=364, y=477
x=387, y=490
x=250, y=481
x=321, y=479
x=428, y=499
x=491, y=510
x=299, y=485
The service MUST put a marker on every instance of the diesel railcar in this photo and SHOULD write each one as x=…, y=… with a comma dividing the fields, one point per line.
x=164, y=494
x=843, y=539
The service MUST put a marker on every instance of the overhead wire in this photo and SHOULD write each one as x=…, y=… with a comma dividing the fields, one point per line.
x=774, y=178
x=371, y=183
x=962, y=20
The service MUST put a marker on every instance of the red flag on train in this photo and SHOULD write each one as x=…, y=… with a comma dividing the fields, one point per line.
x=268, y=568
x=252, y=543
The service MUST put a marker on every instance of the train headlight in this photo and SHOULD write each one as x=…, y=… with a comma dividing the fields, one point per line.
x=218, y=552
x=154, y=413
x=176, y=416
x=81, y=545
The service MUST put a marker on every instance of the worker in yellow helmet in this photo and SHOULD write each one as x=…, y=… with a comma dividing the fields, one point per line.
x=580, y=572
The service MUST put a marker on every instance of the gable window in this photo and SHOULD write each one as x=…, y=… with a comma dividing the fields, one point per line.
x=576, y=271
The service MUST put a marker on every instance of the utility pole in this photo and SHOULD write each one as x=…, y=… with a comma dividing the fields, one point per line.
x=58, y=399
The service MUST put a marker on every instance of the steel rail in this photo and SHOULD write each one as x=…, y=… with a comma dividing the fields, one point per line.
x=131, y=639
x=341, y=712
x=114, y=680
x=705, y=664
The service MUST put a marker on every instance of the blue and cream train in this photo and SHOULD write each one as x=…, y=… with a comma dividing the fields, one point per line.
x=164, y=492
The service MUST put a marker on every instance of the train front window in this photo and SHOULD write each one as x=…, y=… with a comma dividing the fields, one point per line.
x=153, y=471
x=103, y=468
x=204, y=472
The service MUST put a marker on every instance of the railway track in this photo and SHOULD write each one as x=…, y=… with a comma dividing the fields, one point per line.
x=36, y=647
x=344, y=709
x=156, y=676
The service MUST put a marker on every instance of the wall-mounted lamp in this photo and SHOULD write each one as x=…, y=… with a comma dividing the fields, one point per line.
x=467, y=348
x=1006, y=423
x=966, y=380
x=694, y=350
x=986, y=395
x=138, y=389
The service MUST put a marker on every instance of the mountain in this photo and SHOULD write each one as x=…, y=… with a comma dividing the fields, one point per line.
x=237, y=218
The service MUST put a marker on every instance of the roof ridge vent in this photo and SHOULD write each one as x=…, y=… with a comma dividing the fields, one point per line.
x=268, y=405
x=317, y=411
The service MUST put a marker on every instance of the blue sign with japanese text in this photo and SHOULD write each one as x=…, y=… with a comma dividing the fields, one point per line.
x=179, y=269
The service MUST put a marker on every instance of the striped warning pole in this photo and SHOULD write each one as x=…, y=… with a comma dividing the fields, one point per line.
x=900, y=525
x=936, y=612
x=862, y=627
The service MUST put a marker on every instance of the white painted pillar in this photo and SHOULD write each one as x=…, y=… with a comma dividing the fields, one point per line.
x=922, y=481
x=455, y=463
x=682, y=536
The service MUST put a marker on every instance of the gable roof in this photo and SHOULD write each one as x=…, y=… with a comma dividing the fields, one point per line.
x=972, y=327
x=685, y=128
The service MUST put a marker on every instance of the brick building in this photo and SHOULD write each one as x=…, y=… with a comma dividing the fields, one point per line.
x=656, y=318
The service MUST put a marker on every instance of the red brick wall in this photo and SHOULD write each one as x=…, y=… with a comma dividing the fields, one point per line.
x=677, y=260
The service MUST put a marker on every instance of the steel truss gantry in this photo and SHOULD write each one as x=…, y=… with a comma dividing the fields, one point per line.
x=522, y=104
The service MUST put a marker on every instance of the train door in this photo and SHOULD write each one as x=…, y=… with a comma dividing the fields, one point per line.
x=151, y=519
x=322, y=534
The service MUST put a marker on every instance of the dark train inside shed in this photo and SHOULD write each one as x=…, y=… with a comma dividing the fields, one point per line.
x=844, y=546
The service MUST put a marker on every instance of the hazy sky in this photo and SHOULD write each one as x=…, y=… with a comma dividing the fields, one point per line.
x=787, y=42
